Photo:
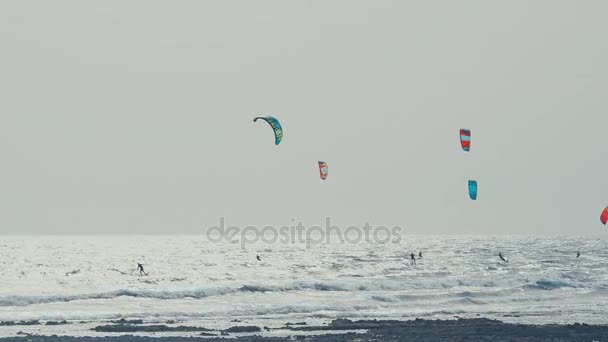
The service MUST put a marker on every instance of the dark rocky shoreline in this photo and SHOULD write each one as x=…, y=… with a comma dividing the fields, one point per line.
x=418, y=330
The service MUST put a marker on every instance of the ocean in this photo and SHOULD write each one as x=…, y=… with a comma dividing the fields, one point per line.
x=89, y=280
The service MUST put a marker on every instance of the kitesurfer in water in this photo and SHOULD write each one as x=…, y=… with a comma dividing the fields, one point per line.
x=419, y=254
x=413, y=259
x=258, y=257
x=578, y=254
x=140, y=268
x=502, y=257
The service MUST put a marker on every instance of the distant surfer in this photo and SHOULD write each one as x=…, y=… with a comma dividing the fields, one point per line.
x=419, y=254
x=258, y=257
x=413, y=259
x=140, y=268
x=502, y=257
x=578, y=254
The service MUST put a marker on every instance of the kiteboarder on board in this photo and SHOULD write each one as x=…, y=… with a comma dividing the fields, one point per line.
x=140, y=268
x=578, y=254
x=413, y=259
x=258, y=257
x=502, y=257
x=419, y=254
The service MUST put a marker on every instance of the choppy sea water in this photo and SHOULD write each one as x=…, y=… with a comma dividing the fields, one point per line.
x=90, y=280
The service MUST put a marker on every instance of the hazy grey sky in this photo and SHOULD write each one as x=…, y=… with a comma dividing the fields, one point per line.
x=136, y=116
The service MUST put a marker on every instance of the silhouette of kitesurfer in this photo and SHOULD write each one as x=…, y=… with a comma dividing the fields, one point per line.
x=140, y=268
x=578, y=254
x=258, y=257
x=413, y=259
x=419, y=254
x=502, y=257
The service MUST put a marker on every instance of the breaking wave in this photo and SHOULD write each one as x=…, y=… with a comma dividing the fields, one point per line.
x=324, y=286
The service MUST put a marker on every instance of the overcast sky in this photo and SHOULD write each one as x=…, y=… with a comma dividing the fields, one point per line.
x=136, y=116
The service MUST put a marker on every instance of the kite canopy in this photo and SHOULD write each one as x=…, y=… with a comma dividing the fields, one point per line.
x=323, y=170
x=604, y=216
x=465, y=139
x=276, y=126
x=473, y=189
